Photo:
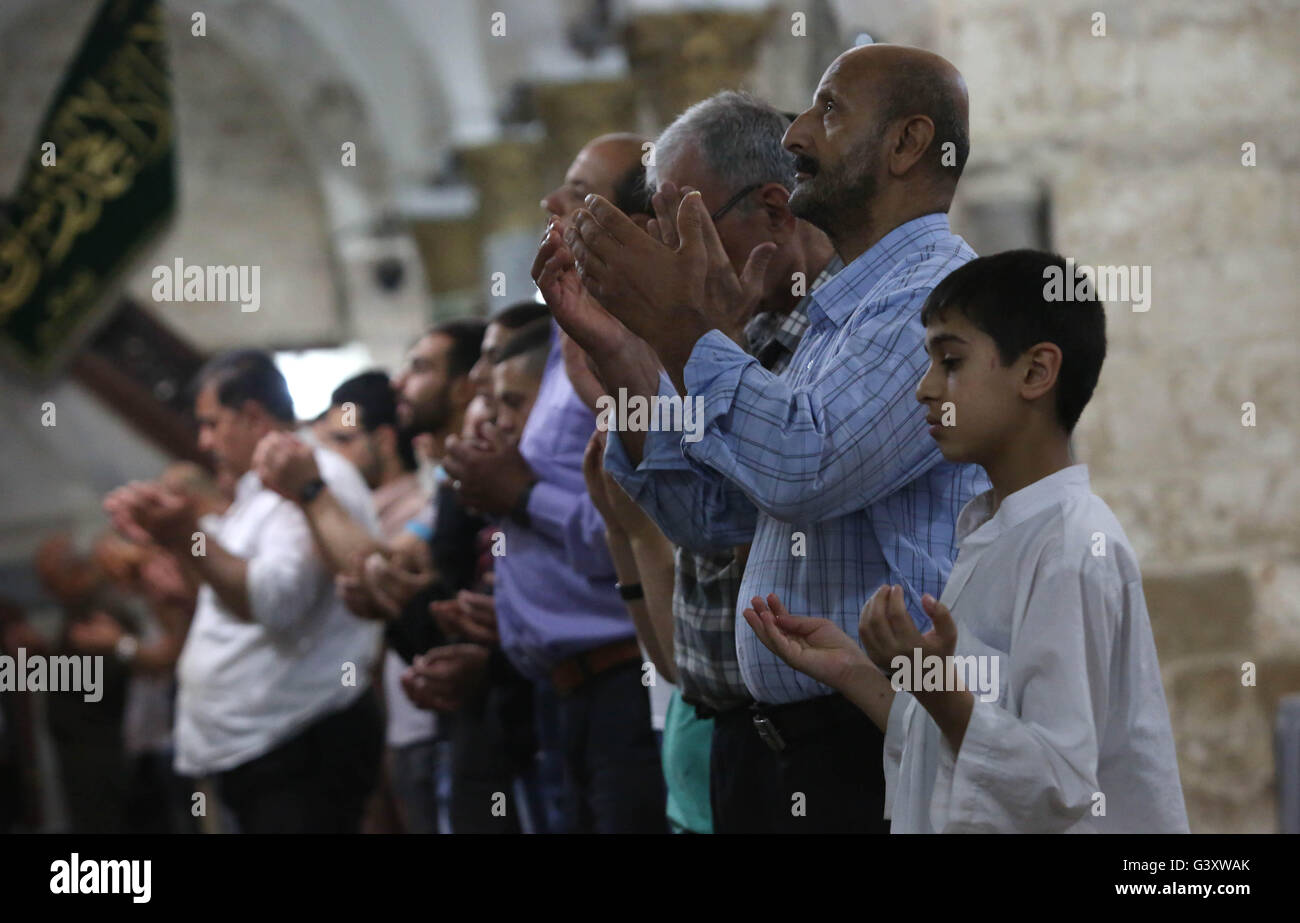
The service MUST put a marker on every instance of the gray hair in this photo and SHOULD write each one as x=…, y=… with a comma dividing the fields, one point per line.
x=738, y=136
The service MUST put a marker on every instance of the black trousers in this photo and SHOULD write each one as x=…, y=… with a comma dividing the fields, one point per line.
x=611, y=757
x=828, y=778
x=493, y=743
x=315, y=782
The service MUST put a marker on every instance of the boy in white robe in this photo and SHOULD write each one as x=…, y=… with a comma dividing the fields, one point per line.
x=1033, y=702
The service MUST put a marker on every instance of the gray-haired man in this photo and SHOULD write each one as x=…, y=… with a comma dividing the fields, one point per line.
x=729, y=148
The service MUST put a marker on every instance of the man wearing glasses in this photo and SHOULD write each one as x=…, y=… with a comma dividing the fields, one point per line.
x=729, y=148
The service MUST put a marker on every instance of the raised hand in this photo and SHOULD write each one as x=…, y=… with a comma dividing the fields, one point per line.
x=887, y=631
x=593, y=473
x=491, y=472
x=669, y=296
x=815, y=646
x=574, y=309
x=582, y=373
x=285, y=464
x=148, y=513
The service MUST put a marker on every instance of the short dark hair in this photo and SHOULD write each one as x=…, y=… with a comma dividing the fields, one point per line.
x=466, y=334
x=535, y=339
x=1005, y=296
x=520, y=314
x=631, y=195
x=371, y=393
x=247, y=375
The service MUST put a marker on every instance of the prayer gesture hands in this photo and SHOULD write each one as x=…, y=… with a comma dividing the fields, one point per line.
x=146, y=512
x=489, y=473
x=887, y=631
x=574, y=309
x=667, y=295
x=285, y=464
x=814, y=646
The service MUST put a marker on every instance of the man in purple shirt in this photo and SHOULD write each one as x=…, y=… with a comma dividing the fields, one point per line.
x=560, y=615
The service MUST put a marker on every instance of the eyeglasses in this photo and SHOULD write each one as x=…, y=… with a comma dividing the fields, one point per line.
x=734, y=201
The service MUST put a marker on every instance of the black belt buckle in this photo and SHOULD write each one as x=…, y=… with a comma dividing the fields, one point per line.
x=767, y=732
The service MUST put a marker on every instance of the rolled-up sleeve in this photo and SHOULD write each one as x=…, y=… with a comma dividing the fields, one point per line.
x=286, y=576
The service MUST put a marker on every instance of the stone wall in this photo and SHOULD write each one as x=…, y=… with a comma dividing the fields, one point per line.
x=1137, y=138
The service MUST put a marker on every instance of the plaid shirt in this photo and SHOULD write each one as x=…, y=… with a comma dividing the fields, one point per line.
x=828, y=469
x=707, y=584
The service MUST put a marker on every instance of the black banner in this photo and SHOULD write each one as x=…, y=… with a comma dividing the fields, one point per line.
x=100, y=183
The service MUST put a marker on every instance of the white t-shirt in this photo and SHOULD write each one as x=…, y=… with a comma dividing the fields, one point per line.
x=245, y=687
x=1050, y=586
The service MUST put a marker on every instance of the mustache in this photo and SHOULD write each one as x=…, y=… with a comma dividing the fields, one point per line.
x=805, y=164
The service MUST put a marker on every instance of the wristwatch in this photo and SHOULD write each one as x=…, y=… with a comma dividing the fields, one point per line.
x=630, y=591
x=310, y=491
x=126, y=648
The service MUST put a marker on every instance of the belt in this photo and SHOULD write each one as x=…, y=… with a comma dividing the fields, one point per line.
x=572, y=673
x=780, y=726
x=706, y=712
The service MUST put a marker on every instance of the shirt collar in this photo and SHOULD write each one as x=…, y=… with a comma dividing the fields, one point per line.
x=839, y=298
x=976, y=526
x=766, y=326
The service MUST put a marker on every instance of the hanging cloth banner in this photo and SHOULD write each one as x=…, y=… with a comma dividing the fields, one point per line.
x=100, y=184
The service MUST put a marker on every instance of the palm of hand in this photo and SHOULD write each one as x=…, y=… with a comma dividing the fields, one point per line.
x=825, y=653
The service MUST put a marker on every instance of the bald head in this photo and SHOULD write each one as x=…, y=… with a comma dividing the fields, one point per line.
x=884, y=141
x=608, y=166
x=908, y=82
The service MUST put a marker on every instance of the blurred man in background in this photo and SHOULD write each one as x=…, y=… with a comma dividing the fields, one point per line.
x=275, y=700
x=361, y=425
x=560, y=617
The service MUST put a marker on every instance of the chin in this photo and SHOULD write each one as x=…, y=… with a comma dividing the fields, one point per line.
x=952, y=452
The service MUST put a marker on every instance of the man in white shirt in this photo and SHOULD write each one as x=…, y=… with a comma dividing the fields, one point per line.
x=1035, y=704
x=274, y=696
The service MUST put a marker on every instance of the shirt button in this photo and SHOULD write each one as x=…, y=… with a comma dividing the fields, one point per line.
x=810, y=365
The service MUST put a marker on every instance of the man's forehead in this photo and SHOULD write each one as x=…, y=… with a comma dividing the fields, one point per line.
x=948, y=326
x=206, y=399
x=334, y=417
x=848, y=77
x=686, y=167
x=429, y=346
x=589, y=166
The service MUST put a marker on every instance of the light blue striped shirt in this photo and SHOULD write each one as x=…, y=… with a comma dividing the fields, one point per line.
x=828, y=468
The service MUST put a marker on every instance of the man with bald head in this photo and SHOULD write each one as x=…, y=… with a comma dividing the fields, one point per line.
x=827, y=468
x=610, y=166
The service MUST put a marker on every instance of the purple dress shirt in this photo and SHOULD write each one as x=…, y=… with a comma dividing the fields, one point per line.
x=555, y=590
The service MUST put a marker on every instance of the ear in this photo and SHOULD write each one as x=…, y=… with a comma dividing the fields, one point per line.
x=1042, y=366
x=254, y=414
x=911, y=139
x=775, y=200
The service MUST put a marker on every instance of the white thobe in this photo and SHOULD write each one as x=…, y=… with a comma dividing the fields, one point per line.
x=1078, y=739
